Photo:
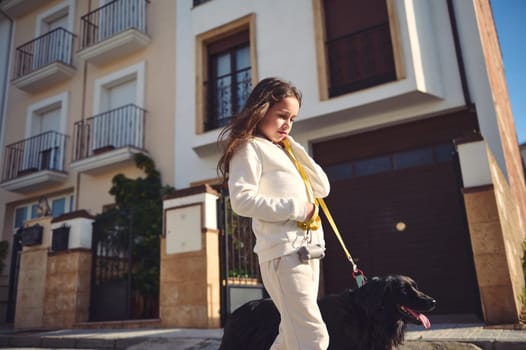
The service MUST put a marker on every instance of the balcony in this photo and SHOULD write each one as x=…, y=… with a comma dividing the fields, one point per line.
x=45, y=60
x=34, y=163
x=114, y=30
x=108, y=140
x=17, y=8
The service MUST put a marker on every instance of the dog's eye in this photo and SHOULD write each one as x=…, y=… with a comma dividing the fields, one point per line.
x=408, y=288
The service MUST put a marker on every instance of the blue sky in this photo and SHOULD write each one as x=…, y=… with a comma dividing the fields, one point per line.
x=510, y=17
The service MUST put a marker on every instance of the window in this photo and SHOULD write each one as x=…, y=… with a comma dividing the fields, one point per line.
x=358, y=48
x=59, y=205
x=119, y=116
x=60, y=16
x=225, y=71
x=415, y=158
x=115, y=16
x=54, y=27
x=47, y=115
x=229, y=78
x=120, y=88
x=20, y=216
x=117, y=124
x=372, y=166
x=338, y=172
x=410, y=159
x=44, y=145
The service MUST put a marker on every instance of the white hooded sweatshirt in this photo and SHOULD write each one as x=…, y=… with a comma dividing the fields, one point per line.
x=265, y=185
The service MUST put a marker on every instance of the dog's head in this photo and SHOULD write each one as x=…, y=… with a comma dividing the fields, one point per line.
x=396, y=298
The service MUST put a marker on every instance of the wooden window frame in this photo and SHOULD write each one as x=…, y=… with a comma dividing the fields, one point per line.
x=202, y=65
x=229, y=46
x=321, y=51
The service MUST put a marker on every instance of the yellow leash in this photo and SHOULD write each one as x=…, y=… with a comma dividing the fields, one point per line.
x=315, y=221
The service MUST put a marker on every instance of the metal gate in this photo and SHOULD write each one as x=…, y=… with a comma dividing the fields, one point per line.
x=118, y=271
x=240, y=275
x=14, y=270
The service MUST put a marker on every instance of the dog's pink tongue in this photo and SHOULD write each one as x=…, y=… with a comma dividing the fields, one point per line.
x=425, y=321
x=421, y=317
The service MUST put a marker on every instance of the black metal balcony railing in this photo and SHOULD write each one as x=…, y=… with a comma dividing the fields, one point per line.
x=54, y=46
x=111, y=19
x=227, y=94
x=118, y=128
x=360, y=60
x=41, y=152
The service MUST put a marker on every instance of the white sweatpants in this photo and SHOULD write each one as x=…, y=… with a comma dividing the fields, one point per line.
x=293, y=286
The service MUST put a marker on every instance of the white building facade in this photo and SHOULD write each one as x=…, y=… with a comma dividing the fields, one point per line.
x=404, y=104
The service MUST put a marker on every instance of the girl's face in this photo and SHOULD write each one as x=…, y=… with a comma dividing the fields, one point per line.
x=277, y=122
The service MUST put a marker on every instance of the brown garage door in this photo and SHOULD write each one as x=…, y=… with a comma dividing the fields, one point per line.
x=418, y=188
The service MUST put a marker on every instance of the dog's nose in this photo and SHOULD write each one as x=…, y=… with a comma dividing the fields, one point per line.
x=432, y=303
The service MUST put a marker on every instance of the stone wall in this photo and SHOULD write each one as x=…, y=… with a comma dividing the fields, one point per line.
x=32, y=278
x=487, y=241
x=31, y=288
x=513, y=235
x=496, y=241
x=189, y=295
x=54, y=287
x=67, y=289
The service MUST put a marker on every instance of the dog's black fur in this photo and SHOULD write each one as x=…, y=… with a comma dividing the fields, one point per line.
x=368, y=318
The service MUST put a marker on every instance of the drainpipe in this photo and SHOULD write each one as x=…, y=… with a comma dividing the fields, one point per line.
x=3, y=98
x=82, y=114
x=460, y=60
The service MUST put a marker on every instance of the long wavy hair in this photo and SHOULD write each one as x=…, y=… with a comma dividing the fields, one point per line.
x=244, y=125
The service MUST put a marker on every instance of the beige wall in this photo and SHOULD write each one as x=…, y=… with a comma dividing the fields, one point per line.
x=159, y=101
x=91, y=191
x=18, y=100
x=94, y=190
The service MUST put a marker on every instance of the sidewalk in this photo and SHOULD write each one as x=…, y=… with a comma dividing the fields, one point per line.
x=487, y=338
x=209, y=339
x=151, y=339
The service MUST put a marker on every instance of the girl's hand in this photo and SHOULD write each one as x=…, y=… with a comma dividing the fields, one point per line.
x=309, y=210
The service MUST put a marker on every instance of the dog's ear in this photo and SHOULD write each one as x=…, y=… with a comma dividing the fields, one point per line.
x=371, y=295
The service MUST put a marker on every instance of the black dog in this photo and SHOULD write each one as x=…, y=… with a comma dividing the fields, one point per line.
x=373, y=317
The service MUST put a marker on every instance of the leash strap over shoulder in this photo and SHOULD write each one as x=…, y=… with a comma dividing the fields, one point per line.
x=315, y=222
x=357, y=274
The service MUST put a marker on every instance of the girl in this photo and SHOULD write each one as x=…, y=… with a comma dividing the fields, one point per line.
x=264, y=184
